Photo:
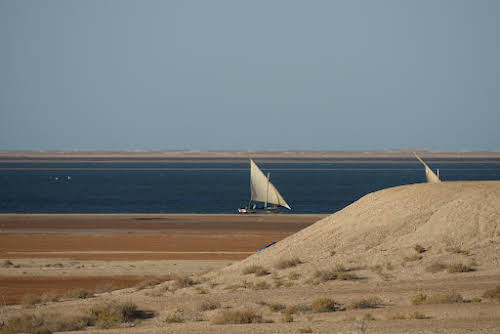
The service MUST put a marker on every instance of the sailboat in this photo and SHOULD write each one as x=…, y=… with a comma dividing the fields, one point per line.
x=262, y=191
x=429, y=174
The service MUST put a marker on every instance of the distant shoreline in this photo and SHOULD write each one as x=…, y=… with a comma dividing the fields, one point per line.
x=190, y=156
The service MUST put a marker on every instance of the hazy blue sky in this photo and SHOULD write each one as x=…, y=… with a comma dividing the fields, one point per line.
x=339, y=75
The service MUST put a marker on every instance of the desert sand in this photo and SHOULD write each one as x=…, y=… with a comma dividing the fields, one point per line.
x=409, y=259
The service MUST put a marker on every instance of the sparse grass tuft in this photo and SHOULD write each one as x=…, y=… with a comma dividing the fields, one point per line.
x=174, y=319
x=237, y=317
x=286, y=317
x=49, y=296
x=420, y=249
x=293, y=276
x=435, y=267
x=112, y=314
x=371, y=302
x=208, y=305
x=448, y=298
x=339, y=272
x=30, y=300
x=457, y=250
x=7, y=264
x=305, y=330
x=459, y=268
x=255, y=269
x=368, y=317
x=417, y=315
x=201, y=290
x=149, y=283
x=183, y=282
x=492, y=293
x=299, y=308
x=287, y=263
x=262, y=285
x=413, y=315
x=276, y=307
x=45, y=323
x=79, y=293
x=324, y=305
x=414, y=257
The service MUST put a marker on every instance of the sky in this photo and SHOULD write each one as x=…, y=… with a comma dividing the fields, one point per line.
x=246, y=75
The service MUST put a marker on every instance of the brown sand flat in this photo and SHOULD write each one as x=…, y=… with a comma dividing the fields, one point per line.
x=123, y=223
x=125, y=238
x=194, y=246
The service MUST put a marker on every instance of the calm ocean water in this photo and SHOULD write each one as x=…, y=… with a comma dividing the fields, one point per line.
x=205, y=187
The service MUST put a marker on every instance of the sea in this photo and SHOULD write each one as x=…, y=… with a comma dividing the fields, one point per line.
x=174, y=187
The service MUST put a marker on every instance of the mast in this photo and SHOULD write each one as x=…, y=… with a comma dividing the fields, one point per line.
x=267, y=190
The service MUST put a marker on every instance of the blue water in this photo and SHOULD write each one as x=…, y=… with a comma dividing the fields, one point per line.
x=205, y=187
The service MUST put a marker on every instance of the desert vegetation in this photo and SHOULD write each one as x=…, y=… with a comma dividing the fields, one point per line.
x=208, y=305
x=287, y=263
x=246, y=316
x=324, y=305
x=447, y=298
x=492, y=293
x=370, y=302
x=459, y=268
x=255, y=269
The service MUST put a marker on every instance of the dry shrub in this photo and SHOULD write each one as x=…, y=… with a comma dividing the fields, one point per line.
x=419, y=249
x=237, y=317
x=276, y=307
x=417, y=315
x=45, y=323
x=457, y=250
x=305, y=330
x=293, y=276
x=459, y=268
x=262, y=285
x=324, y=305
x=174, y=319
x=201, y=290
x=183, y=282
x=414, y=257
x=287, y=263
x=397, y=316
x=286, y=317
x=492, y=293
x=113, y=314
x=49, y=296
x=255, y=269
x=208, y=305
x=368, y=317
x=79, y=293
x=299, y=308
x=371, y=302
x=7, y=264
x=435, y=267
x=337, y=273
x=413, y=315
x=447, y=298
x=30, y=300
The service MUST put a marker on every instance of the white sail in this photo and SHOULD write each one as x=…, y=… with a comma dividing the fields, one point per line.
x=429, y=174
x=263, y=190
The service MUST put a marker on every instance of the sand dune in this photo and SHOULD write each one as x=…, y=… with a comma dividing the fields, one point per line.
x=385, y=226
